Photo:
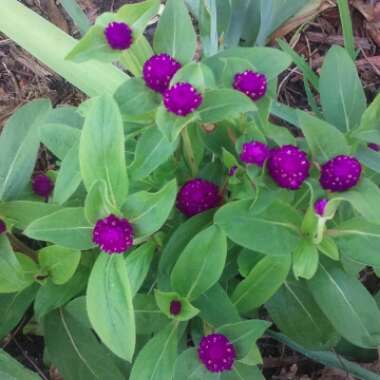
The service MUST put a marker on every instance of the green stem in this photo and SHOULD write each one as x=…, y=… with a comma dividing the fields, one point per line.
x=19, y=246
x=188, y=152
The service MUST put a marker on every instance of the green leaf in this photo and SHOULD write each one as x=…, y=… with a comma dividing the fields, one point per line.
x=59, y=138
x=175, y=33
x=197, y=74
x=364, y=198
x=164, y=300
x=211, y=302
x=77, y=15
x=244, y=334
x=101, y=151
x=60, y=263
x=247, y=260
x=371, y=116
x=11, y=369
x=67, y=227
x=297, y=315
x=242, y=371
x=171, y=125
x=348, y=305
x=153, y=149
x=135, y=98
x=189, y=367
x=178, y=241
x=157, y=358
x=22, y=213
x=329, y=359
x=201, y=263
x=149, y=211
x=109, y=290
x=263, y=281
x=76, y=351
x=51, y=296
x=222, y=104
x=305, y=260
x=138, y=264
x=250, y=230
x=359, y=241
x=19, y=143
x=342, y=96
x=68, y=178
x=325, y=141
x=368, y=158
x=98, y=204
x=13, y=307
x=13, y=277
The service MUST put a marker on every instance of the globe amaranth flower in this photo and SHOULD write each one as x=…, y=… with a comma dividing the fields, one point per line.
x=252, y=84
x=159, y=70
x=198, y=195
x=3, y=226
x=175, y=307
x=320, y=206
x=288, y=166
x=254, y=152
x=217, y=353
x=42, y=185
x=375, y=147
x=340, y=173
x=182, y=99
x=118, y=35
x=113, y=234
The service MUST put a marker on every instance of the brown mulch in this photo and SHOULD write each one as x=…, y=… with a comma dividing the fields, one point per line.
x=22, y=78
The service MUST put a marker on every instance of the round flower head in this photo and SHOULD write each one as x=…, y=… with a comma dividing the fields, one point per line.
x=340, y=173
x=196, y=196
x=217, y=353
x=250, y=83
x=320, y=206
x=288, y=166
x=42, y=185
x=254, y=152
x=159, y=70
x=375, y=147
x=3, y=226
x=182, y=99
x=175, y=307
x=118, y=35
x=113, y=234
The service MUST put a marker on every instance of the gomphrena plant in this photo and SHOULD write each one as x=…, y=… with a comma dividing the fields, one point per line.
x=182, y=222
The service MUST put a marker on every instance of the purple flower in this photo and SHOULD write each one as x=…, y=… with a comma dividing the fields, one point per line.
x=182, y=99
x=217, y=353
x=250, y=83
x=159, y=70
x=42, y=185
x=375, y=147
x=320, y=206
x=175, y=307
x=232, y=171
x=288, y=166
x=198, y=195
x=118, y=35
x=254, y=152
x=113, y=234
x=340, y=173
x=3, y=226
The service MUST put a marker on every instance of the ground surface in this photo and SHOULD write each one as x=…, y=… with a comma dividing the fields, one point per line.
x=22, y=78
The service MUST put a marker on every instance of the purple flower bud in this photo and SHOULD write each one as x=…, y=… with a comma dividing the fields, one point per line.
x=375, y=147
x=196, y=196
x=182, y=99
x=250, y=83
x=3, y=226
x=232, y=171
x=340, y=173
x=118, y=35
x=288, y=166
x=42, y=185
x=159, y=70
x=320, y=206
x=113, y=234
x=175, y=307
x=255, y=152
x=217, y=353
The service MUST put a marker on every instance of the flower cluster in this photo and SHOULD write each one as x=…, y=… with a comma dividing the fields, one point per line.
x=42, y=185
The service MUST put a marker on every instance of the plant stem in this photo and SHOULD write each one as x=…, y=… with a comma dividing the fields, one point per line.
x=19, y=246
x=188, y=152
